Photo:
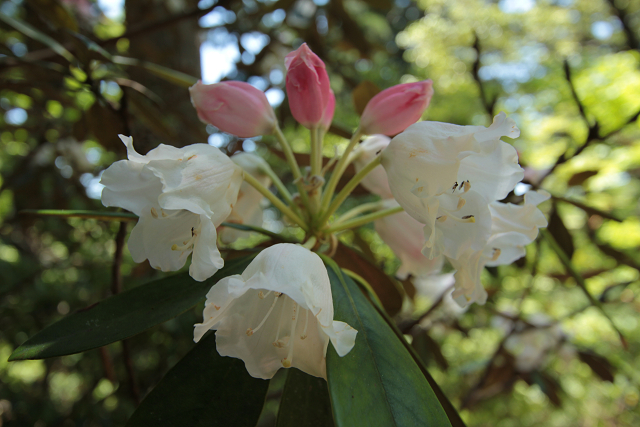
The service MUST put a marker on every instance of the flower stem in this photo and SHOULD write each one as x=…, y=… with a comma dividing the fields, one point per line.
x=344, y=193
x=339, y=170
x=284, y=193
x=309, y=243
x=364, y=219
x=274, y=200
x=295, y=169
x=360, y=209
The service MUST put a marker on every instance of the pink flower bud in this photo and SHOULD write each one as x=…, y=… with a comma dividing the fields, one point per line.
x=394, y=109
x=328, y=113
x=307, y=87
x=234, y=107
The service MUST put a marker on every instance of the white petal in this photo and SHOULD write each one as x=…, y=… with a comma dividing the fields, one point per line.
x=130, y=185
x=493, y=171
x=205, y=182
x=161, y=152
x=404, y=235
x=152, y=238
x=468, y=288
x=206, y=259
x=376, y=181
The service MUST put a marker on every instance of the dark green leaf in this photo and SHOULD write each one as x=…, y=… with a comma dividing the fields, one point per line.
x=203, y=389
x=377, y=382
x=122, y=316
x=305, y=401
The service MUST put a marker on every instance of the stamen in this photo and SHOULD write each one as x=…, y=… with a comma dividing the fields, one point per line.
x=496, y=254
x=461, y=203
x=187, y=245
x=466, y=219
x=466, y=185
x=262, y=295
x=154, y=213
x=252, y=331
x=279, y=343
x=441, y=218
x=455, y=185
x=306, y=323
x=286, y=362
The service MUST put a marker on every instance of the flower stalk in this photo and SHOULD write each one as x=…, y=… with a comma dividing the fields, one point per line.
x=275, y=201
x=293, y=164
x=341, y=166
x=364, y=219
x=344, y=193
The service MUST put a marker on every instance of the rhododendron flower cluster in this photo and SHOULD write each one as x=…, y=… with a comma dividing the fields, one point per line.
x=440, y=186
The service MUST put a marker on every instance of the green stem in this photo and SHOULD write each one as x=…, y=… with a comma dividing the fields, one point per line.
x=314, y=152
x=274, y=200
x=358, y=210
x=295, y=169
x=364, y=219
x=566, y=261
x=309, y=243
x=339, y=169
x=344, y=193
x=279, y=185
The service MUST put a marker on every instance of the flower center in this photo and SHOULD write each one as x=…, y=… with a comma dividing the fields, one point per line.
x=286, y=341
x=188, y=244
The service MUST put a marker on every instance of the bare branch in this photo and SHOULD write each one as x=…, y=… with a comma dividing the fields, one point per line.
x=489, y=105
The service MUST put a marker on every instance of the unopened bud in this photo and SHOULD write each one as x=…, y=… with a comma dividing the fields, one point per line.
x=234, y=107
x=308, y=88
x=396, y=108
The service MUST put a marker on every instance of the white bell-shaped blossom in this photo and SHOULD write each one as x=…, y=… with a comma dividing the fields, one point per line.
x=375, y=181
x=445, y=175
x=278, y=313
x=404, y=236
x=248, y=208
x=181, y=195
x=512, y=228
x=401, y=232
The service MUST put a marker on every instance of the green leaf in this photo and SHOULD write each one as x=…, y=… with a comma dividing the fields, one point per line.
x=377, y=382
x=305, y=401
x=177, y=78
x=122, y=316
x=37, y=35
x=101, y=215
x=203, y=389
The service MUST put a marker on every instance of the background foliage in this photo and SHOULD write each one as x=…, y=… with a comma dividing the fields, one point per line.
x=566, y=70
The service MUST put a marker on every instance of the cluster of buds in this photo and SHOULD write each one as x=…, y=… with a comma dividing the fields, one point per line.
x=439, y=184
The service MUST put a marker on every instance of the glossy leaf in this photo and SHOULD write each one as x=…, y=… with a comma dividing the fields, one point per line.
x=203, y=389
x=305, y=401
x=377, y=382
x=390, y=293
x=122, y=316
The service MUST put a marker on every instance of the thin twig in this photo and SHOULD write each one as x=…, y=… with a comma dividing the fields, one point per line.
x=116, y=288
x=116, y=278
x=632, y=39
x=405, y=328
x=489, y=105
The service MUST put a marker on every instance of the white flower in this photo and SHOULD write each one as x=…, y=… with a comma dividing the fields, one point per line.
x=375, y=181
x=278, y=313
x=181, y=195
x=512, y=228
x=247, y=209
x=404, y=236
x=445, y=175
